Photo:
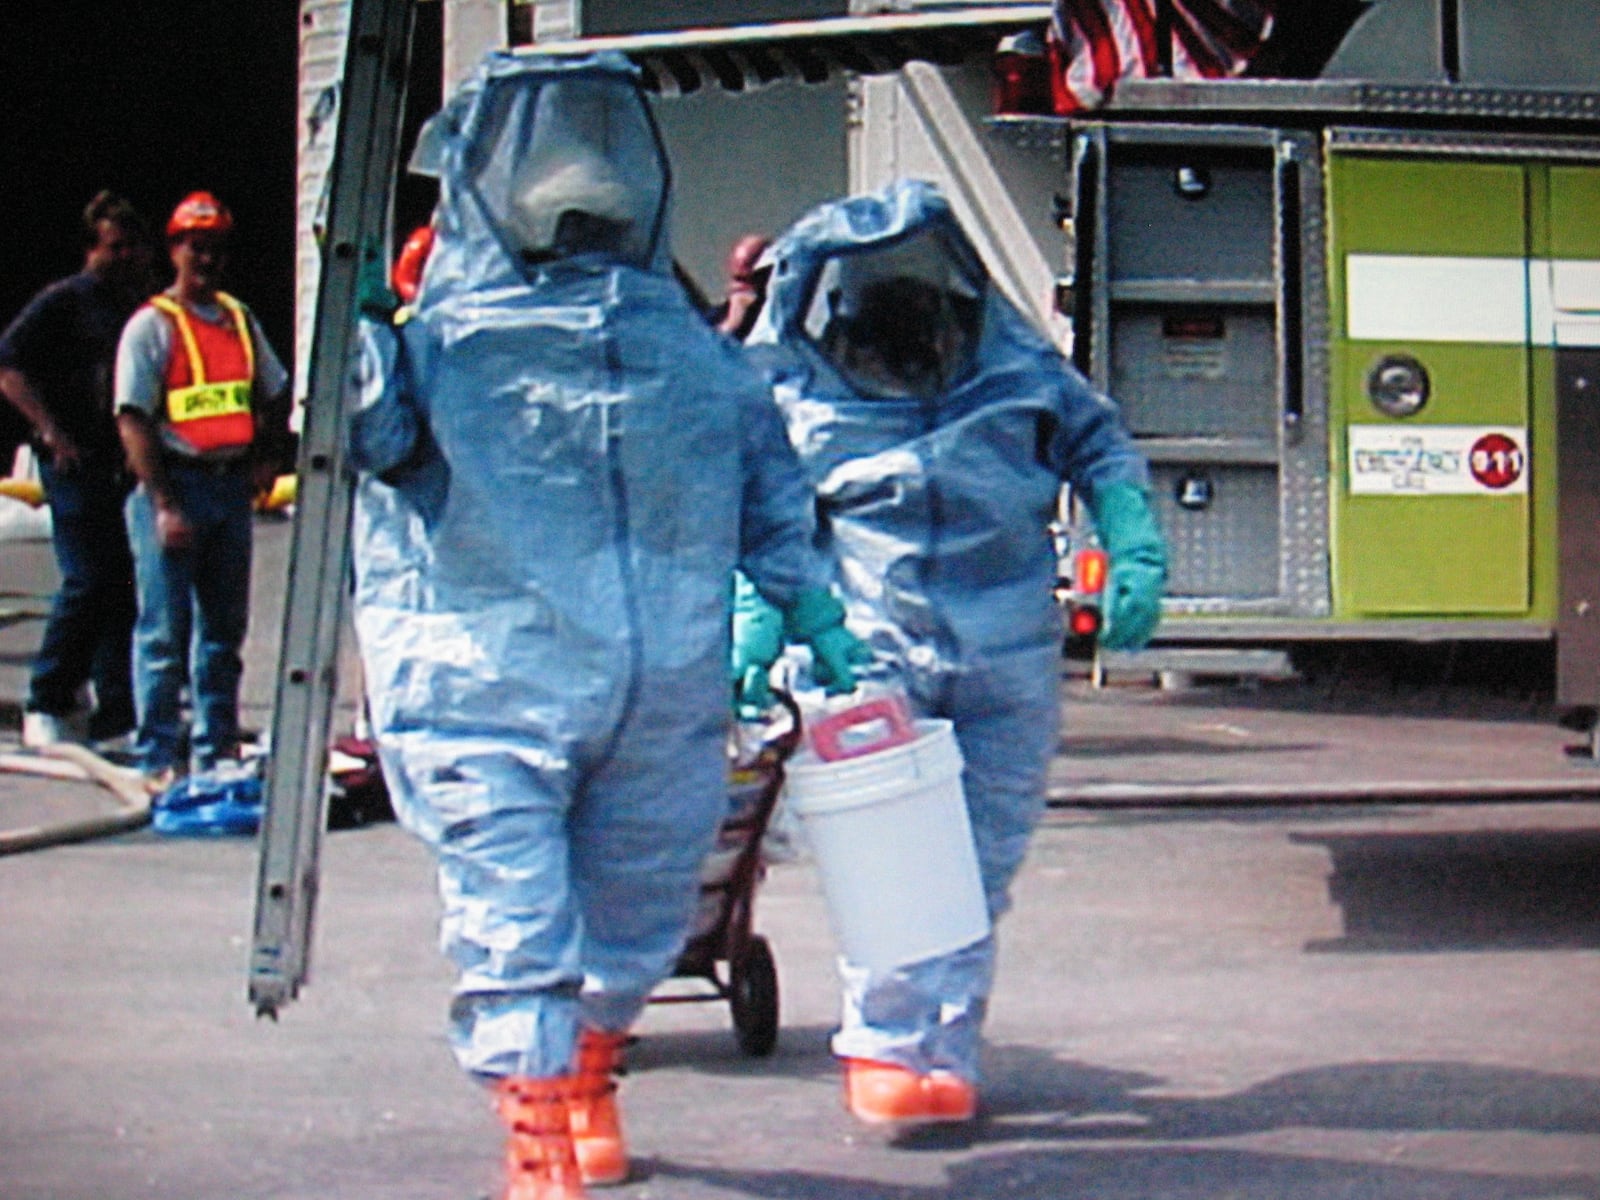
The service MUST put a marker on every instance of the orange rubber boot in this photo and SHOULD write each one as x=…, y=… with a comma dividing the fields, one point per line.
x=596, y=1124
x=952, y=1097
x=541, y=1163
x=882, y=1093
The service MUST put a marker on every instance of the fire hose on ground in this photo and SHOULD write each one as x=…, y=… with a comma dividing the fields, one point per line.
x=67, y=761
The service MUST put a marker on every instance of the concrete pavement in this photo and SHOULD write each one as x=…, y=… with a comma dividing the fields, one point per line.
x=1200, y=999
x=1313, y=740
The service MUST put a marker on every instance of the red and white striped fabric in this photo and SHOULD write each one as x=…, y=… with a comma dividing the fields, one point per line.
x=1094, y=43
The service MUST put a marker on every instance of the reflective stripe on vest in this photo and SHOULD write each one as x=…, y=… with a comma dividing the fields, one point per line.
x=209, y=382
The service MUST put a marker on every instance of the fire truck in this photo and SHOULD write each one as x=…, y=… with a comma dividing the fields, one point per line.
x=1350, y=316
x=1350, y=310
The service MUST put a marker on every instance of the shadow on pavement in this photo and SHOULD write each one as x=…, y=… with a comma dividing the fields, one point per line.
x=1486, y=890
x=1122, y=1174
x=802, y=1053
x=1089, y=1104
x=1062, y=1129
x=1145, y=746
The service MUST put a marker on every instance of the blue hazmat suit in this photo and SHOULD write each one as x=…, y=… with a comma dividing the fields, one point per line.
x=937, y=426
x=560, y=466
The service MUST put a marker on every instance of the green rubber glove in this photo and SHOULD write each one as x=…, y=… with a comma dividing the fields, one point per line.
x=1138, y=573
x=817, y=619
x=757, y=643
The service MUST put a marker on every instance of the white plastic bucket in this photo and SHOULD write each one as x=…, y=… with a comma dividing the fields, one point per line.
x=892, y=843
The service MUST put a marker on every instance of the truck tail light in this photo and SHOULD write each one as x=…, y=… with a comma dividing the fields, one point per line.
x=1083, y=622
x=1083, y=594
x=1089, y=572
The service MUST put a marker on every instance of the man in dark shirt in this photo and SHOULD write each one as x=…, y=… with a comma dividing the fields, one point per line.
x=56, y=363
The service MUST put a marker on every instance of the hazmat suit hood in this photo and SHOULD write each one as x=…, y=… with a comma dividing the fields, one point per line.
x=884, y=296
x=541, y=161
x=897, y=317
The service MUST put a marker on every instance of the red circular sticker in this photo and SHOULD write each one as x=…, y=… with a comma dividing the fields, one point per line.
x=1496, y=461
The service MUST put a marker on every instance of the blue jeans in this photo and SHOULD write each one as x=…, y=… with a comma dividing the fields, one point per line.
x=193, y=608
x=88, y=636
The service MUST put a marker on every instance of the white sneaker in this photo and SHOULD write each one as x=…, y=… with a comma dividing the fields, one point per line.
x=41, y=729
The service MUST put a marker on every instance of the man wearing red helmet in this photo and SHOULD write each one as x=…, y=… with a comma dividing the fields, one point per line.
x=201, y=405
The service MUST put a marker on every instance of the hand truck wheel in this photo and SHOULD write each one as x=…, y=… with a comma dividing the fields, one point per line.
x=753, y=997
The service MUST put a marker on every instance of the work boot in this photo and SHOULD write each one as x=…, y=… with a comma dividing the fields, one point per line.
x=880, y=1093
x=952, y=1097
x=596, y=1125
x=541, y=1163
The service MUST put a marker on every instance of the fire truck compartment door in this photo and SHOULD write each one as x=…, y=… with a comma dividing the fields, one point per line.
x=1191, y=330
x=1575, y=311
x=1431, y=368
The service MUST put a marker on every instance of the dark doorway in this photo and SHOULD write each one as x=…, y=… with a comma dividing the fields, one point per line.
x=153, y=99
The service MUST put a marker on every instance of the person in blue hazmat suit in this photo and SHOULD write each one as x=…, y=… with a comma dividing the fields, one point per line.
x=937, y=426
x=560, y=467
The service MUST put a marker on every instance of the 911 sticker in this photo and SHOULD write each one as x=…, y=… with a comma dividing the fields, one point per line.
x=1438, y=460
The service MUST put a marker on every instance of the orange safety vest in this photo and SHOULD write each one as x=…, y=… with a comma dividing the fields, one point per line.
x=210, y=369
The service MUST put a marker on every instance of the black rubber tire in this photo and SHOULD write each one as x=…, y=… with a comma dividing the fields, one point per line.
x=753, y=997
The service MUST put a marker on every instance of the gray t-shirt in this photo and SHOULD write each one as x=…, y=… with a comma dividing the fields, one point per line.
x=142, y=369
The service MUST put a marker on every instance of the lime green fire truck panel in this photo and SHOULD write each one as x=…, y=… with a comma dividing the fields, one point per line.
x=1575, y=216
x=1432, y=504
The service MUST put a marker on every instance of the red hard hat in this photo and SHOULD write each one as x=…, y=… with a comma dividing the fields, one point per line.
x=405, y=277
x=199, y=212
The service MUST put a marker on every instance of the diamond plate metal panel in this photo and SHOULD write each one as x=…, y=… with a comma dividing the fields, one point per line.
x=1195, y=370
x=1306, y=587
x=1229, y=547
x=1480, y=145
x=1190, y=212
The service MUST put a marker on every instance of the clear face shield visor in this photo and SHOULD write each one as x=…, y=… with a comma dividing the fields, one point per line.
x=900, y=321
x=564, y=166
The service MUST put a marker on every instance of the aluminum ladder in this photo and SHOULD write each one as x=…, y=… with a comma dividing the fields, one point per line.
x=360, y=201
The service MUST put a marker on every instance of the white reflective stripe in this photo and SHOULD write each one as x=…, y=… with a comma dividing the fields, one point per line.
x=1575, y=301
x=1512, y=301
x=1575, y=286
x=1401, y=297
x=1564, y=303
x=1541, y=315
x=1578, y=333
